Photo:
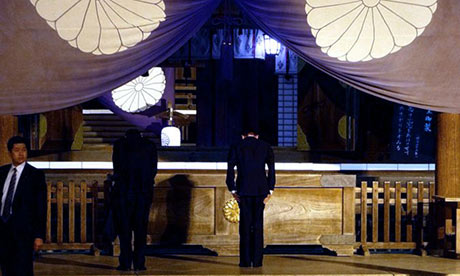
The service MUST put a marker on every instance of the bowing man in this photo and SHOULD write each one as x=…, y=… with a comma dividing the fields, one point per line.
x=135, y=166
x=252, y=190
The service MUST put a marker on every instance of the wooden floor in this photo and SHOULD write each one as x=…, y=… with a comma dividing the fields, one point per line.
x=378, y=264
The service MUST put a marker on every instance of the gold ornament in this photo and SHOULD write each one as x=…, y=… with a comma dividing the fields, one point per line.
x=342, y=127
x=231, y=211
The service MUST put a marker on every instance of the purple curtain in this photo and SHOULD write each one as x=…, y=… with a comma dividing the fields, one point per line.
x=57, y=54
x=405, y=51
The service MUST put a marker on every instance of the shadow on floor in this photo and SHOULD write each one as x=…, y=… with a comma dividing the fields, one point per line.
x=68, y=262
x=368, y=266
x=195, y=260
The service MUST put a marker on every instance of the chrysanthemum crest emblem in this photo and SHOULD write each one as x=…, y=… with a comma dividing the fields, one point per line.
x=231, y=211
x=142, y=92
x=102, y=26
x=362, y=30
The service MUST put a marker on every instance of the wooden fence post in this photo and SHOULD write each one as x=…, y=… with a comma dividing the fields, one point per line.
x=364, y=250
x=60, y=212
x=71, y=212
x=386, y=212
x=48, y=212
x=83, y=193
x=420, y=247
x=375, y=211
x=398, y=212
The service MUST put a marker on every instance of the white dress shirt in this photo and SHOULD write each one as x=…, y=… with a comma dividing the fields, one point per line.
x=19, y=170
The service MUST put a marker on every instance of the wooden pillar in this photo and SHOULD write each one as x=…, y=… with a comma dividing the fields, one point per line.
x=448, y=156
x=8, y=128
x=447, y=183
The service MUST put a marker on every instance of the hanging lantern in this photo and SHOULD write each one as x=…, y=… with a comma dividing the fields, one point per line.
x=170, y=135
x=272, y=47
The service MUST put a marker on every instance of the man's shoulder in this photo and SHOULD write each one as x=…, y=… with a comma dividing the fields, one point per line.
x=5, y=167
x=262, y=143
x=119, y=141
x=146, y=140
x=32, y=169
x=28, y=166
x=252, y=141
x=237, y=143
x=148, y=144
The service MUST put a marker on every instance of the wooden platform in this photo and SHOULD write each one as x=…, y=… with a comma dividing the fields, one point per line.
x=378, y=264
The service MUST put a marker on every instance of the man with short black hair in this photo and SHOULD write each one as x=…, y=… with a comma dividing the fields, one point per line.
x=252, y=190
x=135, y=166
x=22, y=211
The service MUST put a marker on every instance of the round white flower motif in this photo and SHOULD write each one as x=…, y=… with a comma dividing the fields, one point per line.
x=142, y=92
x=362, y=30
x=102, y=26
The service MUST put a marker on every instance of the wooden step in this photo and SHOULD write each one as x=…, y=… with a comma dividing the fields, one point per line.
x=110, y=128
x=107, y=140
x=99, y=140
x=117, y=134
x=100, y=131
x=88, y=134
x=96, y=148
x=101, y=117
x=107, y=123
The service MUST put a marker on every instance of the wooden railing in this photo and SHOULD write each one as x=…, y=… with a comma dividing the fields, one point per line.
x=389, y=215
x=394, y=215
x=72, y=214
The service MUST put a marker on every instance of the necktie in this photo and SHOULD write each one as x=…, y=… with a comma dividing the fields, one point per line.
x=9, y=197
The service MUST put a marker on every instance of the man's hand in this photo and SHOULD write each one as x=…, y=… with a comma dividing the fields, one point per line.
x=267, y=198
x=236, y=197
x=37, y=244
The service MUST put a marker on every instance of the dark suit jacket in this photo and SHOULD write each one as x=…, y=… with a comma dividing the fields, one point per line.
x=250, y=156
x=135, y=164
x=28, y=219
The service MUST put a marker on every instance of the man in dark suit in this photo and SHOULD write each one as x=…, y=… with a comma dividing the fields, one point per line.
x=22, y=211
x=252, y=190
x=135, y=166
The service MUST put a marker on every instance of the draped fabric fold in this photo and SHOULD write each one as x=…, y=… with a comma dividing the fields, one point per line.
x=146, y=119
x=405, y=51
x=57, y=54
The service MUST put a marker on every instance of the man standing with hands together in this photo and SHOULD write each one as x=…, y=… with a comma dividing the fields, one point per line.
x=252, y=190
x=22, y=211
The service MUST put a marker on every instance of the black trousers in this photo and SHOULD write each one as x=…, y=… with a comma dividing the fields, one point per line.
x=16, y=254
x=131, y=213
x=251, y=230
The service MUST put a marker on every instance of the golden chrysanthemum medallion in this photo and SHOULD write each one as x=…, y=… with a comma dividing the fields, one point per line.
x=231, y=211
